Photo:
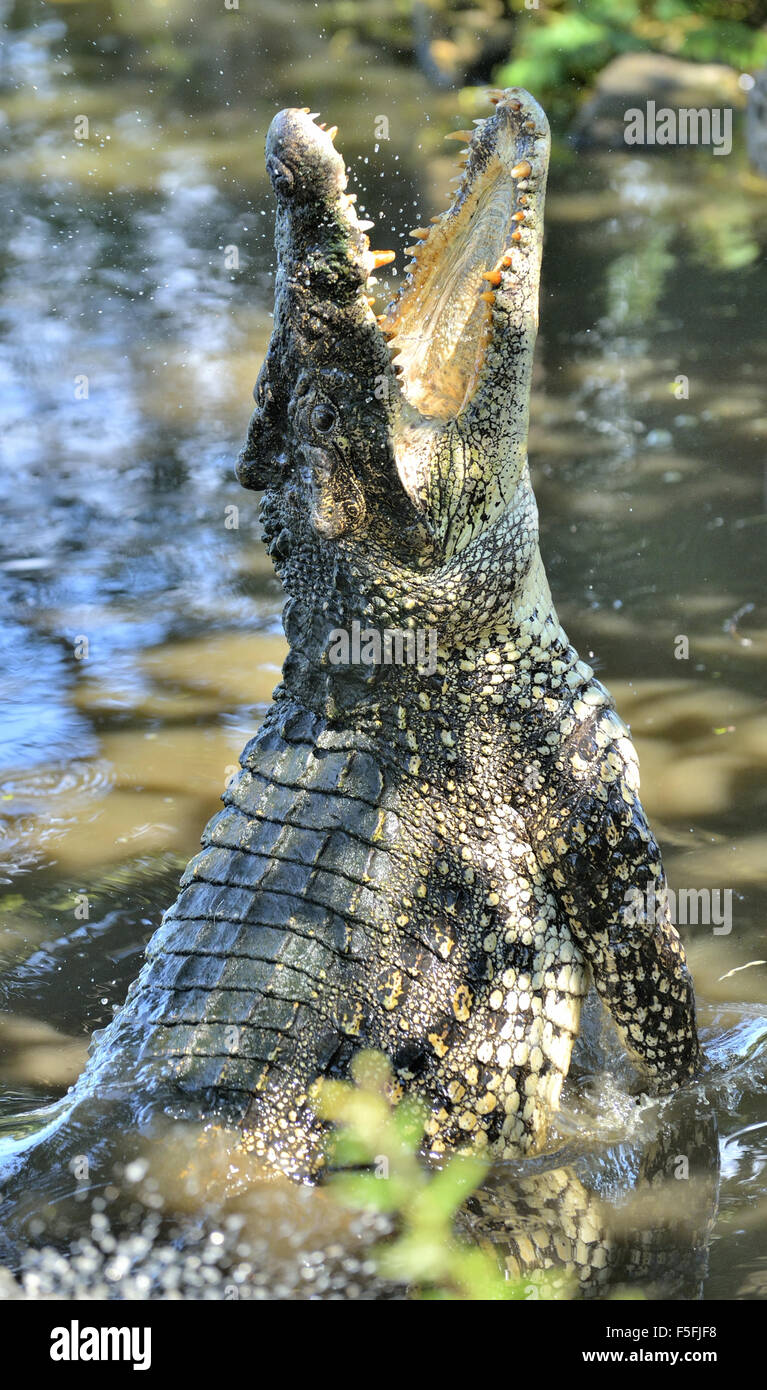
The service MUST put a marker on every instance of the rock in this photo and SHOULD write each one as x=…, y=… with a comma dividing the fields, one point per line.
x=634, y=79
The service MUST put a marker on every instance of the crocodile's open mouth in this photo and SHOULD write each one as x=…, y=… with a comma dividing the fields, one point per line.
x=465, y=265
x=442, y=319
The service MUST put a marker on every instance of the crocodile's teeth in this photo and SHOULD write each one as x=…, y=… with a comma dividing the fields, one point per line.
x=382, y=258
x=462, y=135
x=420, y=232
x=488, y=296
x=333, y=131
x=493, y=277
x=523, y=170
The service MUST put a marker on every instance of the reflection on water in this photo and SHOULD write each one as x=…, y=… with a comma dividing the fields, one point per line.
x=139, y=616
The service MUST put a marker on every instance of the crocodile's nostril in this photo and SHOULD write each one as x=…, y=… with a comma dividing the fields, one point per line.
x=280, y=175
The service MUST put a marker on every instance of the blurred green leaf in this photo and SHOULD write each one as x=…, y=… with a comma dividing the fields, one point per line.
x=425, y=1253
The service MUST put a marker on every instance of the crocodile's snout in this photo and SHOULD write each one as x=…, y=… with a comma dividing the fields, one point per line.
x=301, y=159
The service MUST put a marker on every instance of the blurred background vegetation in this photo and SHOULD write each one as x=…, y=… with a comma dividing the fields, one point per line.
x=559, y=49
x=554, y=47
x=375, y=1146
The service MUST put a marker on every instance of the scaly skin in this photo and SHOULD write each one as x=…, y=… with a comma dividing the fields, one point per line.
x=433, y=863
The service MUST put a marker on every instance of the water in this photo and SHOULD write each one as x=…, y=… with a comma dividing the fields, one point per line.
x=140, y=624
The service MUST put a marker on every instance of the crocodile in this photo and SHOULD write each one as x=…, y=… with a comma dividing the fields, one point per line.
x=434, y=843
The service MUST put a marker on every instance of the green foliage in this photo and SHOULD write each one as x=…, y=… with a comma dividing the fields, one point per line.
x=564, y=43
x=373, y=1131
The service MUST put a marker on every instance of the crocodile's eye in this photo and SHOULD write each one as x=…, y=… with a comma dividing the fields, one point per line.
x=323, y=417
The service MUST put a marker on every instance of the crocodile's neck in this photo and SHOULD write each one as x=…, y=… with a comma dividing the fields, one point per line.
x=382, y=631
